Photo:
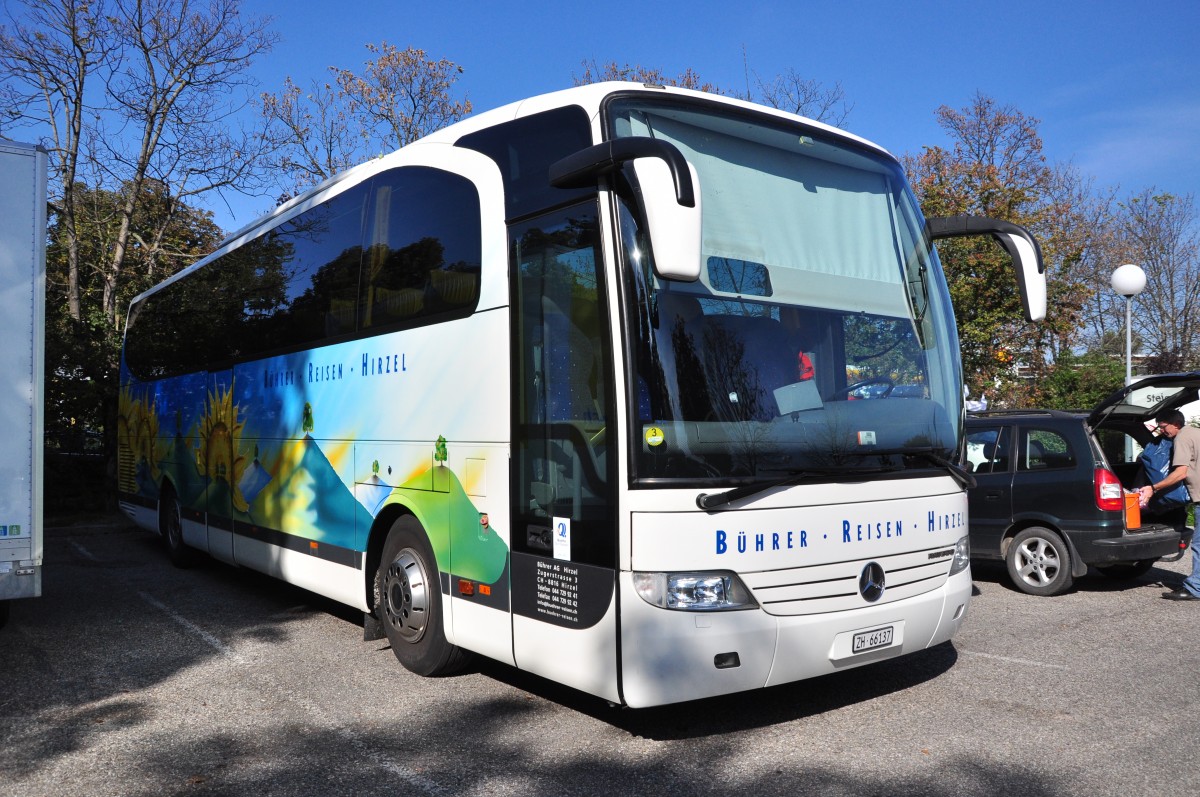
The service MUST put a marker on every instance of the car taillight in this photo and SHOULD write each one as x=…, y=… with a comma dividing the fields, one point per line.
x=1109, y=492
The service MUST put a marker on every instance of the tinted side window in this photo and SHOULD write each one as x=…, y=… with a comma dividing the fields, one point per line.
x=987, y=449
x=1045, y=449
x=305, y=281
x=424, y=248
x=177, y=329
x=308, y=280
x=524, y=150
x=290, y=287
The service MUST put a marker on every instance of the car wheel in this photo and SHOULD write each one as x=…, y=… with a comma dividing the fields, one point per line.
x=409, y=602
x=171, y=524
x=1039, y=562
x=1127, y=569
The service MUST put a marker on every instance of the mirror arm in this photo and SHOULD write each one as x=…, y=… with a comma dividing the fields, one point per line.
x=585, y=166
x=959, y=226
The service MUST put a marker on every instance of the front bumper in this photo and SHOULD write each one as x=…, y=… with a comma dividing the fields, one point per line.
x=669, y=656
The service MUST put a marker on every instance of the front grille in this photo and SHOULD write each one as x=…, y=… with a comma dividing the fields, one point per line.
x=834, y=587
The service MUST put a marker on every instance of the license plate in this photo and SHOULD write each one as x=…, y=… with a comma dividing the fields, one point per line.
x=869, y=640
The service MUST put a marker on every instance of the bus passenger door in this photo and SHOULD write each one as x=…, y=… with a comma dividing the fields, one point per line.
x=564, y=543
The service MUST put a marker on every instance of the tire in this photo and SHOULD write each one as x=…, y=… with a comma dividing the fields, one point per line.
x=1039, y=562
x=408, y=602
x=171, y=525
x=4, y=605
x=1127, y=569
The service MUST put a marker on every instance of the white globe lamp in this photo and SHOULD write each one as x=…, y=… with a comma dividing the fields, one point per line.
x=1128, y=280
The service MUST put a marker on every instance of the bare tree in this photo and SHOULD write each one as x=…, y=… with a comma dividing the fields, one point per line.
x=47, y=61
x=170, y=92
x=137, y=96
x=805, y=97
x=789, y=92
x=315, y=134
x=400, y=96
x=1158, y=232
x=594, y=72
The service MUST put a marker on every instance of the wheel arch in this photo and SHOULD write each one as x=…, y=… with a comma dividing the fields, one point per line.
x=1027, y=522
x=377, y=538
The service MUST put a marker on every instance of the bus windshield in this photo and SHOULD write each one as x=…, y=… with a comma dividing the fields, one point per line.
x=819, y=337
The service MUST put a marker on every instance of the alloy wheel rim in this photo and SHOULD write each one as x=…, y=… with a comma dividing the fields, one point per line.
x=1039, y=562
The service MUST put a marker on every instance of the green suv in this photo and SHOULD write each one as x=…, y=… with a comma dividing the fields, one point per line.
x=1050, y=494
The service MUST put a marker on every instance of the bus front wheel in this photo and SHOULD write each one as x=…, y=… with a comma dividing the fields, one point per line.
x=409, y=602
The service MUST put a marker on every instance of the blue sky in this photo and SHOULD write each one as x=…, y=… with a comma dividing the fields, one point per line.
x=1116, y=85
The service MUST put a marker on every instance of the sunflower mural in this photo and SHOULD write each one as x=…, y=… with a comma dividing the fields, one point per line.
x=220, y=440
x=138, y=445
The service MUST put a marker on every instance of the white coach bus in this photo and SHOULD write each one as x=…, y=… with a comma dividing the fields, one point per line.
x=654, y=393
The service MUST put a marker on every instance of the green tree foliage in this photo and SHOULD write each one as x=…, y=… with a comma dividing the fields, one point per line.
x=82, y=354
x=995, y=167
x=1081, y=381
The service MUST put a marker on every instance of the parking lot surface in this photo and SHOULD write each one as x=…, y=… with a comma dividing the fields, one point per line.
x=131, y=677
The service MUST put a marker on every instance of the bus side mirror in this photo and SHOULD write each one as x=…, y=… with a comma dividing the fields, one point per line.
x=1021, y=246
x=670, y=196
x=673, y=228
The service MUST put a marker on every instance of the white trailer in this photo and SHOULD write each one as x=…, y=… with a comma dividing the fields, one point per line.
x=22, y=328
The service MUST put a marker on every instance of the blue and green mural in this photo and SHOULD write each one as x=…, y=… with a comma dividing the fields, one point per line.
x=240, y=450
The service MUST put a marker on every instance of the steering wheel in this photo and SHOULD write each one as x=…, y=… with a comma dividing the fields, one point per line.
x=878, y=380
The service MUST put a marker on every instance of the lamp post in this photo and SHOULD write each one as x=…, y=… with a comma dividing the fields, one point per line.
x=1128, y=281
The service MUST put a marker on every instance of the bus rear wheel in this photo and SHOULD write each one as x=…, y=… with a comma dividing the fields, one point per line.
x=171, y=525
x=408, y=602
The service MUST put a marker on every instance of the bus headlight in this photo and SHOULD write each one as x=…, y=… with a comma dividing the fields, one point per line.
x=694, y=592
x=962, y=556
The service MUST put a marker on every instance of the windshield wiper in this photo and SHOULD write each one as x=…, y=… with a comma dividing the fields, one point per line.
x=711, y=501
x=708, y=502
x=931, y=455
x=961, y=476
